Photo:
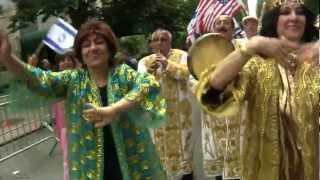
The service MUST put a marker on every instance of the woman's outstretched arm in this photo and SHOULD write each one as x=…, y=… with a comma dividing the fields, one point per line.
x=11, y=62
x=229, y=68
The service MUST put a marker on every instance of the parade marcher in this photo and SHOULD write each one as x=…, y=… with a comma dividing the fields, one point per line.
x=220, y=136
x=43, y=64
x=224, y=25
x=111, y=139
x=174, y=140
x=250, y=26
x=277, y=74
x=125, y=57
x=65, y=62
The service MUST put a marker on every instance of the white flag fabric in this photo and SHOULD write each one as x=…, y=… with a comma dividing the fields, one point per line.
x=60, y=37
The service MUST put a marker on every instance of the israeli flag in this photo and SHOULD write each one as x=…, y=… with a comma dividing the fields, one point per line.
x=60, y=37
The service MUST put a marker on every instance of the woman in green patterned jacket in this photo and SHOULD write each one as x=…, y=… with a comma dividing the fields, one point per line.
x=111, y=140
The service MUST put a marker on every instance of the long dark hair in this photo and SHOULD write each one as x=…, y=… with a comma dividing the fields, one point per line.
x=270, y=19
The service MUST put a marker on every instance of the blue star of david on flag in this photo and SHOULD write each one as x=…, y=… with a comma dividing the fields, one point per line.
x=60, y=37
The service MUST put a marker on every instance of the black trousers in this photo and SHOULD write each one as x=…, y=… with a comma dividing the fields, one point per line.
x=111, y=163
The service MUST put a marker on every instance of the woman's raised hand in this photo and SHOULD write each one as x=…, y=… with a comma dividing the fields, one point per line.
x=5, y=47
x=309, y=53
x=33, y=60
x=279, y=49
x=11, y=62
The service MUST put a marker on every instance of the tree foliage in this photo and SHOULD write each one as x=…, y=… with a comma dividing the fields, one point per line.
x=28, y=11
x=142, y=16
x=126, y=17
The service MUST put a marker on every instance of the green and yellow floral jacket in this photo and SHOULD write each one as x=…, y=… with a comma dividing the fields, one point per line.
x=136, y=152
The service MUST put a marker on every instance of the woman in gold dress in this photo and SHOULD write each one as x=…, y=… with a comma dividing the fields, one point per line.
x=278, y=75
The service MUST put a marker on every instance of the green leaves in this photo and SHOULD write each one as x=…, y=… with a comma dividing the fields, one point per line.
x=126, y=17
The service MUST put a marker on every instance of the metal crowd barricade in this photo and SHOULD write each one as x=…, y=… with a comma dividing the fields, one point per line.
x=24, y=130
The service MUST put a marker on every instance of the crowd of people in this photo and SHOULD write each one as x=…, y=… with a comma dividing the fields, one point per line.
x=260, y=106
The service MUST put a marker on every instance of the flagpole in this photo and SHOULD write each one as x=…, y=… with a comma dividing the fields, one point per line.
x=34, y=58
x=39, y=48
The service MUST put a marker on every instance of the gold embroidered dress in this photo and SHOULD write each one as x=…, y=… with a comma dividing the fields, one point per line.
x=281, y=129
x=221, y=140
x=173, y=141
x=137, y=155
x=220, y=151
x=221, y=145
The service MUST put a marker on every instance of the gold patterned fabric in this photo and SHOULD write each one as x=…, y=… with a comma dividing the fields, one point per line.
x=221, y=141
x=273, y=144
x=173, y=141
x=221, y=145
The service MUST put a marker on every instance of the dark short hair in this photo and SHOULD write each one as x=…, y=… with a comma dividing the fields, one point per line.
x=94, y=26
x=270, y=20
x=59, y=58
x=232, y=22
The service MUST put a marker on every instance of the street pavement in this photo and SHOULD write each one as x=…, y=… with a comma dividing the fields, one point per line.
x=35, y=163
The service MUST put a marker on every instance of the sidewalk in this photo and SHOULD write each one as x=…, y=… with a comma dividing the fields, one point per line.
x=33, y=164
